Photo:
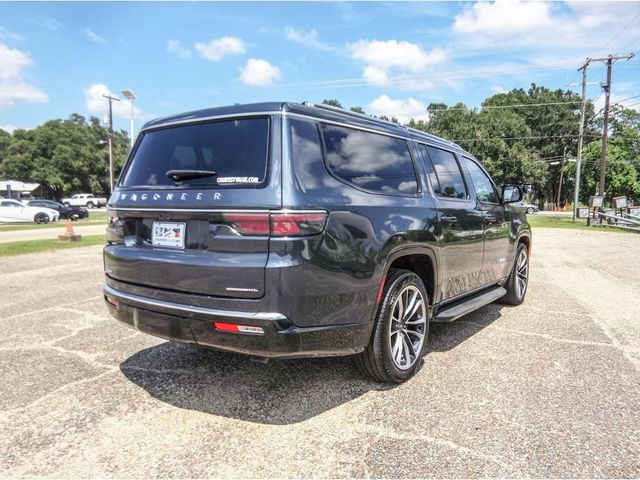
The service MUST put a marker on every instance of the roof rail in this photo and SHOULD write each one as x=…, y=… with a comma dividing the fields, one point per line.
x=370, y=118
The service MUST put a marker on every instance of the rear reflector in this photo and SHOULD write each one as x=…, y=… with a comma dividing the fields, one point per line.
x=112, y=300
x=232, y=327
x=289, y=224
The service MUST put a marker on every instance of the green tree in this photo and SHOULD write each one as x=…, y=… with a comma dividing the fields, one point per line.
x=332, y=102
x=64, y=156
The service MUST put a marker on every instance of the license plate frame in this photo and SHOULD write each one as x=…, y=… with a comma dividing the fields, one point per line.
x=168, y=234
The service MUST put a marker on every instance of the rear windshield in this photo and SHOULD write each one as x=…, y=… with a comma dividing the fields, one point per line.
x=236, y=150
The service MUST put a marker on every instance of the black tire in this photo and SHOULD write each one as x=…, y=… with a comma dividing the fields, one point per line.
x=41, y=218
x=73, y=217
x=90, y=205
x=377, y=361
x=515, y=293
x=530, y=210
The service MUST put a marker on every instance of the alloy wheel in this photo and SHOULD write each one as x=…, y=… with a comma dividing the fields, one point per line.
x=407, y=327
x=522, y=273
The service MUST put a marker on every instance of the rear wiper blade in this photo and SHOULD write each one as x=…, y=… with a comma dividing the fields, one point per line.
x=179, y=175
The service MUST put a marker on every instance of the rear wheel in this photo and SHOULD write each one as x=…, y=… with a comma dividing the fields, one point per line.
x=400, y=334
x=41, y=218
x=518, y=280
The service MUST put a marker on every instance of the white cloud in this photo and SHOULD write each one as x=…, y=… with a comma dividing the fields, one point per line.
x=9, y=35
x=98, y=105
x=394, y=54
x=544, y=24
x=49, y=23
x=259, y=72
x=175, y=47
x=309, y=38
x=620, y=99
x=504, y=18
x=13, y=87
x=94, y=37
x=8, y=128
x=214, y=50
x=403, y=109
x=381, y=58
x=375, y=75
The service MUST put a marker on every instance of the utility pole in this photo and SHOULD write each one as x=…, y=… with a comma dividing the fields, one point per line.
x=580, y=135
x=605, y=131
x=564, y=159
x=111, y=99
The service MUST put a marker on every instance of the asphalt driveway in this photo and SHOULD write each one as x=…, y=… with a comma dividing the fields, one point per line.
x=547, y=389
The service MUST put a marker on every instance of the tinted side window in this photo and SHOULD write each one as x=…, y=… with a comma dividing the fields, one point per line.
x=448, y=181
x=307, y=154
x=481, y=182
x=370, y=161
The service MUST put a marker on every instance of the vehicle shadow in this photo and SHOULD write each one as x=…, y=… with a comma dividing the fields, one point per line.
x=279, y=392
x=446, y=336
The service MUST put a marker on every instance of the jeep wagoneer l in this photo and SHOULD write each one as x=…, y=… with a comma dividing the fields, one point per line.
x=283, y=230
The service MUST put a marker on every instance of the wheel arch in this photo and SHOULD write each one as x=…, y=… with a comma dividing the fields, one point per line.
x=419, y=260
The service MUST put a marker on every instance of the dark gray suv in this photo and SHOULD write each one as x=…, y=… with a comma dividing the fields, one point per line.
x=283, y=230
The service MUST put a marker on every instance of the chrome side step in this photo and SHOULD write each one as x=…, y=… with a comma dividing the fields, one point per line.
x=453, y=313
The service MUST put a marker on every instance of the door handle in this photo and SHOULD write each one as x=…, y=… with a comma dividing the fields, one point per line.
x=448, y=218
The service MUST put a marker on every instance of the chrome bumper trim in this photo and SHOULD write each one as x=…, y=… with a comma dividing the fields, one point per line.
x=269, y=316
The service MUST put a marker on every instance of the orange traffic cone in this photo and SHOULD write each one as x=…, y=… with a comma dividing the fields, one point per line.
x=69, y=235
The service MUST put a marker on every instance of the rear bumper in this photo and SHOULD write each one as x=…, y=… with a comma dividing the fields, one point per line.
x=193, y=324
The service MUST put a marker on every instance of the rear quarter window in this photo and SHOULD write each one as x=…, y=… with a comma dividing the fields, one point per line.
x=373, y=162
x=236, y=150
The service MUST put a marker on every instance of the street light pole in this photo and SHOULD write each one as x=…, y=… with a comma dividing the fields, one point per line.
x=129, y=95
x=576, y=193
x=110, y=135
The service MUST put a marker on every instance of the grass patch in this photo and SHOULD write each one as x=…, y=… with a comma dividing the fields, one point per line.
x=548, y=221
x=34, y=246
x=95, y=218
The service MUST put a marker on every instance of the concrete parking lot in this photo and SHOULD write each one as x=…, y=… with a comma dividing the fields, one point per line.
x=547, y=389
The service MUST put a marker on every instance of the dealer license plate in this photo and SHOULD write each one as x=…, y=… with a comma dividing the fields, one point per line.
x=168, y=234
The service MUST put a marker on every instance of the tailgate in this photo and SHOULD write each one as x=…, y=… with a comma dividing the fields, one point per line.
x=227, y=169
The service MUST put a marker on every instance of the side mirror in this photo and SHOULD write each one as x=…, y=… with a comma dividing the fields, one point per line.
x=511, y=194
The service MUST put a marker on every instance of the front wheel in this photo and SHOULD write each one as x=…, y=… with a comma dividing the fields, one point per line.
x=518, y=280
x=399, y=338
x=41, y=218
x=90, y=205
x=530, y=210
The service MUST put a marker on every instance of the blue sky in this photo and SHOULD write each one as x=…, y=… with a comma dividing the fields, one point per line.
x=389, y=58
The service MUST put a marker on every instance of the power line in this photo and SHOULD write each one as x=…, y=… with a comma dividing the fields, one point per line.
x=534, y=137
x=619, y=32
x=502, y=106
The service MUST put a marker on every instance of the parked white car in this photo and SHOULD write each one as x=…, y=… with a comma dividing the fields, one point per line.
x=84, y=200
x=12, y=211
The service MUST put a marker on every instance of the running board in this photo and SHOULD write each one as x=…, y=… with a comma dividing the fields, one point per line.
x=453, y=313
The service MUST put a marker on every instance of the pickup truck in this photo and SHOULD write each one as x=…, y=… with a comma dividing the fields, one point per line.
x=84, y=200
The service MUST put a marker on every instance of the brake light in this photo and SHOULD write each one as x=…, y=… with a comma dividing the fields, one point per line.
x=249, y=223
x=290, y=224
x=297, y=224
